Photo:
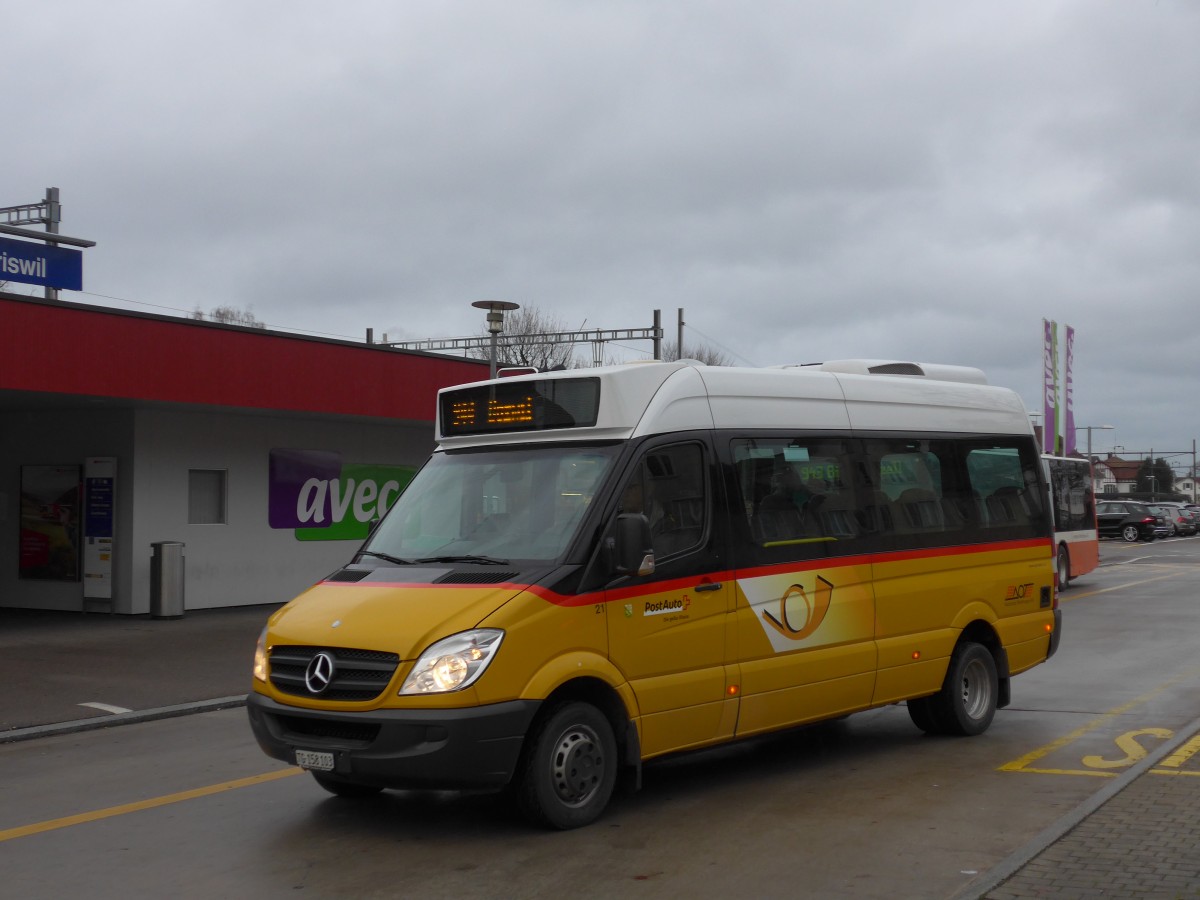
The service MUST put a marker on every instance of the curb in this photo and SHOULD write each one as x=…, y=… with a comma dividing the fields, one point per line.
x=129, y=718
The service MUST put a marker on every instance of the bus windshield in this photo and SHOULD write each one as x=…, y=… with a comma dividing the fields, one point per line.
x=513, y=504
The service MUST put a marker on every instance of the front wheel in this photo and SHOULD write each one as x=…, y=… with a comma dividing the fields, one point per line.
x=570, y=768
x=1064, y=568
x=1130, y=533
x=966, y=703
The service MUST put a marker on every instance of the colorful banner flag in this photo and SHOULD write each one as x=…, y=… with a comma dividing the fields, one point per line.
x=1049, y=386
x=1069, y=393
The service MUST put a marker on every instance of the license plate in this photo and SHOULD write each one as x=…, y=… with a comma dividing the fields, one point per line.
x=314, y=759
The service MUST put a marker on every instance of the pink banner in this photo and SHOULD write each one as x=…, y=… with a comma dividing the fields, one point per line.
x=1069, y=394
x=1049, y=388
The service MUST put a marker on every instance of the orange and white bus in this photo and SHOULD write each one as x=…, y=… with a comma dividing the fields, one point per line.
x=1073, y=500
x=601, y=567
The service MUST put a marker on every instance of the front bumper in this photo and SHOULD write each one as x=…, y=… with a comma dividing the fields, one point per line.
x=443, y=749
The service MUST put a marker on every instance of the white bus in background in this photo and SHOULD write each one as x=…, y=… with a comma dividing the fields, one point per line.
x=1073, y=500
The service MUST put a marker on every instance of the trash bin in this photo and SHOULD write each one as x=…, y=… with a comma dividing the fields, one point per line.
x=166, y=580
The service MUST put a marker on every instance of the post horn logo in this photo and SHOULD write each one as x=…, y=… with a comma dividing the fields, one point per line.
x=801, y=615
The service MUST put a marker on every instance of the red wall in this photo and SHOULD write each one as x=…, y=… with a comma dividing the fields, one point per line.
x=73, y=349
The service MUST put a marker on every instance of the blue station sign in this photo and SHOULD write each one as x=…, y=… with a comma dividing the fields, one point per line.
x=44, y=264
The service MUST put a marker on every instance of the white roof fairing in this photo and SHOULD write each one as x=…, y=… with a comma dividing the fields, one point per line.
x=843, y=395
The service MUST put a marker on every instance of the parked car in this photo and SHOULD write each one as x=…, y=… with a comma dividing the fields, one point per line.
x=1170, y=527
x=1193, y=520
x=1181, y=519
x=1128, y=520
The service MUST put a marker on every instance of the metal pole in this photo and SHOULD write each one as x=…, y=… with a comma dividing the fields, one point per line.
x=493, y=375
x=53, y=217
x=679, y=347
x=658, y=338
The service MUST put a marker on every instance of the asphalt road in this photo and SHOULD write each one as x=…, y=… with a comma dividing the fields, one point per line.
x=867, y=807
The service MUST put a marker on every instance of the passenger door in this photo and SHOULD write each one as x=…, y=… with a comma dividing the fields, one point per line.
x=668, y=631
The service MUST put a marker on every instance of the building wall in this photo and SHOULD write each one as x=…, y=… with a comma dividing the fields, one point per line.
x=244, y=561
x=241, y=562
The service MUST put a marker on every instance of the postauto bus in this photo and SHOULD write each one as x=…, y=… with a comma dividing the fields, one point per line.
x=600, y=567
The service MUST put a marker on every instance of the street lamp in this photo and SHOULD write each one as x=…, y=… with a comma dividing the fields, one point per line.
x=495, y=320
x=1089, y=431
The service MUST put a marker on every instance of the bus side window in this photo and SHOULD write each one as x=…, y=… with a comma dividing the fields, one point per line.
x=668, y=487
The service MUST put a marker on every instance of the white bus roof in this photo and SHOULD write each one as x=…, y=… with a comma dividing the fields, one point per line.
x=862, y=395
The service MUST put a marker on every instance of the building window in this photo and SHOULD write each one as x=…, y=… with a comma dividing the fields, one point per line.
x=1110, y=489
x=206, y=496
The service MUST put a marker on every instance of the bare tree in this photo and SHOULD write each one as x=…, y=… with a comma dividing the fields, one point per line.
x=229, y=315
x=704, y=353
x=519, y=344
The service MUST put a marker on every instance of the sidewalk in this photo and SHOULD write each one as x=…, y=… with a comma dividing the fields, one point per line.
x=51, y=663
x=1137, y=837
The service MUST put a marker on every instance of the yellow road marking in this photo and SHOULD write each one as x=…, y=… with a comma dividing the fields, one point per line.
x=1120, y=587
x=166, y=800
x=1024, y=764
x=1128, y=743
x=1173, y=764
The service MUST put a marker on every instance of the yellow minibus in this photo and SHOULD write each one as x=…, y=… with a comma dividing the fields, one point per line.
x=599, y=567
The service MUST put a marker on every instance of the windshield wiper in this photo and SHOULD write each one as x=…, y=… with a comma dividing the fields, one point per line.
x=386, y=558
x=481, y=560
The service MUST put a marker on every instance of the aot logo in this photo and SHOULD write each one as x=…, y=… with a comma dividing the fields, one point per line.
x=1017, y=591
x=323, y=499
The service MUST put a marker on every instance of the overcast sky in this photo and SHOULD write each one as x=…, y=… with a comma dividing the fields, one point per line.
x=807, y=180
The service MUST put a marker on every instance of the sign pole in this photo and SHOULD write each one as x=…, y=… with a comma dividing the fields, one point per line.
x=53, y=217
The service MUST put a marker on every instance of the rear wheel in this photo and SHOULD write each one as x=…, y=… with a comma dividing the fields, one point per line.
x=967, y=701
x=348, y=789
x=1064, y=568
x=1129, y=533
x=570, y=768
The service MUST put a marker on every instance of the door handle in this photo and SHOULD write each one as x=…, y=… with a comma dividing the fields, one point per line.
x=708, y=586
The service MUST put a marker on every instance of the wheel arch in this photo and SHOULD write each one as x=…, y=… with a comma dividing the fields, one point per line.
x=614, y=706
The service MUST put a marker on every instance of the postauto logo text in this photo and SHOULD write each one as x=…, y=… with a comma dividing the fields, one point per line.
x=324, y=499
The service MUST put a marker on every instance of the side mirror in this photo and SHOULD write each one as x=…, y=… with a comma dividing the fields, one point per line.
x=632, y=553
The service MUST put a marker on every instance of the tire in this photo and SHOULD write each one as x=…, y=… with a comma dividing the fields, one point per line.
x=966, y=703
x=1063, y=571
x=569, y=769
x=349, y=789
x=1129, y=533
x=921, y=713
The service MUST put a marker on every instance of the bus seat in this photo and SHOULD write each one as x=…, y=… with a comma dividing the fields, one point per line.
x=837, y=518
x=1006, y=506
x=877, y=516
x=919, y=511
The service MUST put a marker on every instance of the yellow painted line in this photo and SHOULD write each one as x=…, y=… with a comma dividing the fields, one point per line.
x=1068, y=596
x=97, y=815
x=1024, y=764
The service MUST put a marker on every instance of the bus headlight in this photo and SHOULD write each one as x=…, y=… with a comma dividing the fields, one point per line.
x=454, y=662
x=260, y=657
